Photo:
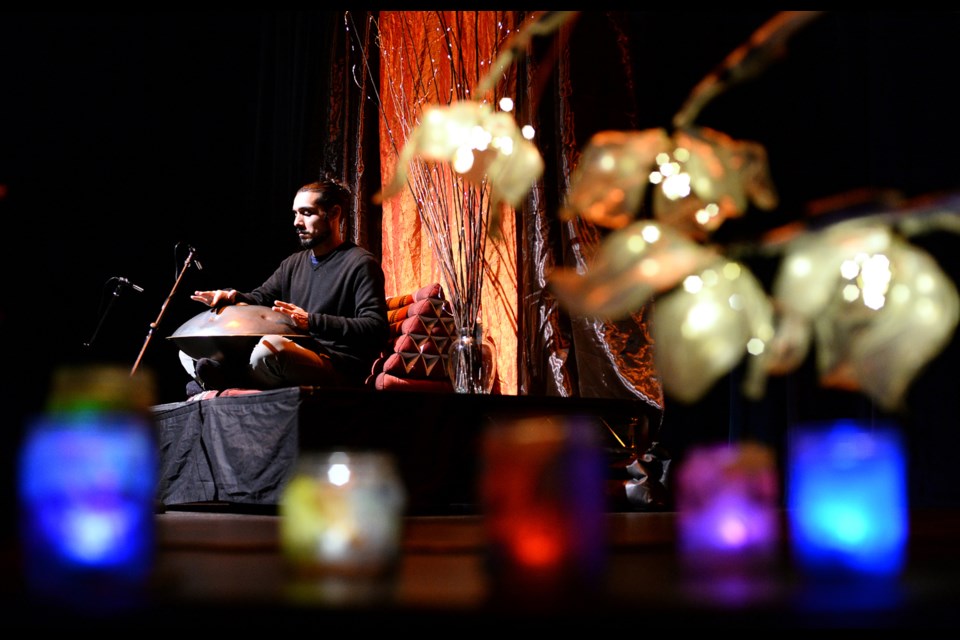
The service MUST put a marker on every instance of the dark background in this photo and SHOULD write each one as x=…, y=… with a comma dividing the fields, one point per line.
x=129, y=137
x=126, y=137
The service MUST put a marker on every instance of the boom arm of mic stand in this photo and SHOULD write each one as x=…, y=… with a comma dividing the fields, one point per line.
x=163, y=309
x=106, y=312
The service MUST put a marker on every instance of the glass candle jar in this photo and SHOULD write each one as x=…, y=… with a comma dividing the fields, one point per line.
x=87, y=483
x=728, y=509
x=342, y=513
x=847, y=500
x=542, y=491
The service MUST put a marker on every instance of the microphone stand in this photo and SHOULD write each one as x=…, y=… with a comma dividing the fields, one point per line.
x=106, y=312
x=163, y=309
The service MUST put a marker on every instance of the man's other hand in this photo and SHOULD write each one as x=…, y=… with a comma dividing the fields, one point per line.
x=298, y=315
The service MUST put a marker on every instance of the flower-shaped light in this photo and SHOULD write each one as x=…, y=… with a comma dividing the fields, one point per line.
x=482, y=145
x=631, y=266
x=703, y=329
x=711, y=314
x=609, y=183
x=878, y=307
x=701, y=177
x=709, y=178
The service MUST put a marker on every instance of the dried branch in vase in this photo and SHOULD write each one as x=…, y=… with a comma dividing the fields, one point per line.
x=460, y=154
x=462, y=159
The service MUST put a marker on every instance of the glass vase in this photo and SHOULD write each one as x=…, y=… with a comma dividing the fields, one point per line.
x=471, y=362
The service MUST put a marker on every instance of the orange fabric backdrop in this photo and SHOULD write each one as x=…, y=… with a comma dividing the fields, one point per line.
x=437, y=57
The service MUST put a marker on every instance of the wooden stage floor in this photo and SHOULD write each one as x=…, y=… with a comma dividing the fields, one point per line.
x=217, y=569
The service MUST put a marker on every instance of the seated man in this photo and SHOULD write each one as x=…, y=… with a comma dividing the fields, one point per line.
x=332, y=289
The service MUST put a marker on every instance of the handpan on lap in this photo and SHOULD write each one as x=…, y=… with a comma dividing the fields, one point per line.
x=233, y=329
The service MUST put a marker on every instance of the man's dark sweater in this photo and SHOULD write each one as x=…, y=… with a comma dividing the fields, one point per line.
x=343, y=291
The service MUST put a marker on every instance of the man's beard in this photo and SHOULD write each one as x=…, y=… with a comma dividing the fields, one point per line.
x=312, y=241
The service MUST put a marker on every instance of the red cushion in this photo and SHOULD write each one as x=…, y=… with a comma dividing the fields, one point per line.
x=385, y=381
x=420, y=343
x=416, y=366
x=430, y=291
x=420, y=329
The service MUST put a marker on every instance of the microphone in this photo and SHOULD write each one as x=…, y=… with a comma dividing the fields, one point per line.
x=195, y=261
x=130, y=284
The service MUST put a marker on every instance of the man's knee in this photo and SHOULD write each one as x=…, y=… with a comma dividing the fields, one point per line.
x=189, y=364
x=268, y=353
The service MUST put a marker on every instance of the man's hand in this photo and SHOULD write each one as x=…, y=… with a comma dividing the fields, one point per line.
x=298, y=315
x=215, y=298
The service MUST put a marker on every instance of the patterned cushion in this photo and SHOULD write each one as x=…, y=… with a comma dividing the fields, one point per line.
x=387, y=382
x=429, y=291
x=415, y=359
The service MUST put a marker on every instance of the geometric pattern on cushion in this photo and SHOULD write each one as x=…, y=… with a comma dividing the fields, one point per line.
x=415, y=357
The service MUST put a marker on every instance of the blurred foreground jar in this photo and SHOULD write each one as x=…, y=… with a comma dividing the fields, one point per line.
x=728, y=501
x=542, y=491
x=342, y=514
x=87, y=484
x=847, y=500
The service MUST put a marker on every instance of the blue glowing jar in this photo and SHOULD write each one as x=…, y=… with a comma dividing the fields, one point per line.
x=87, y=488
x=847, y=500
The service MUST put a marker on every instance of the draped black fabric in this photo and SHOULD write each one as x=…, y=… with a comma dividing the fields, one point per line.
x=577, y=356
x=352, y=140
x=239, y=450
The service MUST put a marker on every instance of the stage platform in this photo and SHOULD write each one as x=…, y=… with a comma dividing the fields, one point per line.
x=222, y=571
x=242, y=449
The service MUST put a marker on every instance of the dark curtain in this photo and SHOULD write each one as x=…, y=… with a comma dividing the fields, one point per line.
x=352, y=139
x=314, y=112
x=582, y=356
x=577, y=356
x=571, y=99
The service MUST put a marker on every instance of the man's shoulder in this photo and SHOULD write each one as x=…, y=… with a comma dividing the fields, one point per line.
x=354, y=251
x=299, y=254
